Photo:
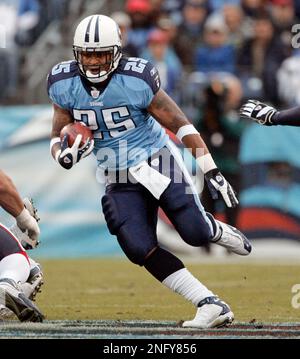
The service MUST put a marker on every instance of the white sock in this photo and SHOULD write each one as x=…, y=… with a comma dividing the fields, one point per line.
x=16, y=267
x=184, y=283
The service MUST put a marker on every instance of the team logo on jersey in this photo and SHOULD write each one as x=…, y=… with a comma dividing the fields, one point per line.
x=95, y=93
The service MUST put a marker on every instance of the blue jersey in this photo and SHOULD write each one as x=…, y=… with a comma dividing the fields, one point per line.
x=124, y=132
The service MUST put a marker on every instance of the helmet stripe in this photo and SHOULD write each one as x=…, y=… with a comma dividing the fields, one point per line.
x=97, y=30
x=87, y=34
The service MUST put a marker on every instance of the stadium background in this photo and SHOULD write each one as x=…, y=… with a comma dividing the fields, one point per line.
x=262, y=163
x=69, y=202
x=95, y=298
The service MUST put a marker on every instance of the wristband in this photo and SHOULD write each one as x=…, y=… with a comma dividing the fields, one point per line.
x=186, y=130
x=206, y=163
x=53, y=142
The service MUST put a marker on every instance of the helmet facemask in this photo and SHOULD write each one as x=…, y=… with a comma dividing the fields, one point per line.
x=96, y=73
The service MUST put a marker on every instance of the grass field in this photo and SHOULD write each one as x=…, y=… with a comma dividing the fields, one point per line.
x=103, y=289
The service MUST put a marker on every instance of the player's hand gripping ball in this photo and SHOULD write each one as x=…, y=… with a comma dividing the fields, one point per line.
x=72, y=130
x=76, y=143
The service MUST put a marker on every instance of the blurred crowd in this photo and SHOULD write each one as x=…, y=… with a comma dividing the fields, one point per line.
x=211, y=54
x=239, y=41
x=23, y=22
x=243, y=39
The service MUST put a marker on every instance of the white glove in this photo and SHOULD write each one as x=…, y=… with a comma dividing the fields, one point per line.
x=216, y=182
x=69, y=156
x=27, y=229
x=258, y=111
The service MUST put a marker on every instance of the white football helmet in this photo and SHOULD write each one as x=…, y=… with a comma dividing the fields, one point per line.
x=98, y=33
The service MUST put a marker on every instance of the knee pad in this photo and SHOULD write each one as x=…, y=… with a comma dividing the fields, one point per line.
x=135, y=251
x=136, y=242
x=190, y=223
x=198, y=234
x=111, y=214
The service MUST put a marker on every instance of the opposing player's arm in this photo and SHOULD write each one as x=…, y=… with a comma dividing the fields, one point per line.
x=290, y=117
x=10, y=199
x=169, y=115
x=268, y=116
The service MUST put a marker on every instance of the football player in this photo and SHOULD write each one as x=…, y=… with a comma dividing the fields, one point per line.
x=20, y=276
x=121, y=101
x=267, y=115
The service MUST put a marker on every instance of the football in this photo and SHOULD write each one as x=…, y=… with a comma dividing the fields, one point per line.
x=75, y=129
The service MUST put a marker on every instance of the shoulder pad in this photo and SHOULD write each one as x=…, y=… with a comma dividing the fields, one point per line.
x=62, y=71
x=142, y=69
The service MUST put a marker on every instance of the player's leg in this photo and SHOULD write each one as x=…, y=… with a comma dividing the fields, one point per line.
x=168, y=269
x=211, y=310
x=131, y=215
x=196, y=228
x=15, y=270
x=183, y=208
x=35, y=280
x=30, y=288
x=14, y=263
